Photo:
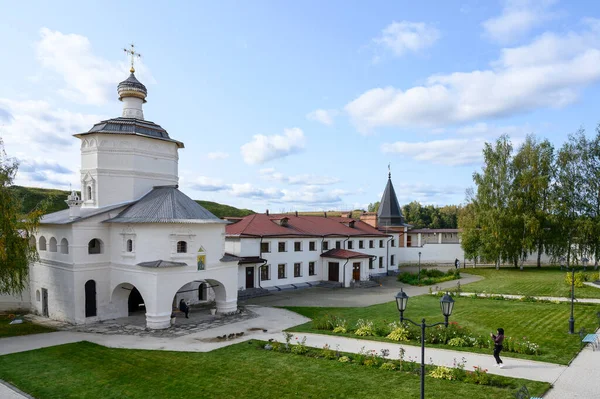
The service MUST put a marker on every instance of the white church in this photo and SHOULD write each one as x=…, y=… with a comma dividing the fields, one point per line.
x=133, y=241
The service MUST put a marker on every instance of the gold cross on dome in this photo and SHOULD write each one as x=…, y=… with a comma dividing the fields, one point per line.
x=131, y=52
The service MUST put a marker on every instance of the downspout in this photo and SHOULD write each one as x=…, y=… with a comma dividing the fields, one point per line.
x=387, y=256
x=344, y=268
x=344, y=243
x=260, y=256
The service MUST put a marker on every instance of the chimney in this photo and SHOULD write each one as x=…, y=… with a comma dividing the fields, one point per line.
x=267, y=212
x=74, y=203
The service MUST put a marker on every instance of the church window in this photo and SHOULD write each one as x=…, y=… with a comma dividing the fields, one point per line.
x=89, y=193
x=181, y=247
x=201, y=258
x=129, y=245
x=95, y=246
x=264, y=273
x=64, y=246
x=42, y=246
x=52, y=244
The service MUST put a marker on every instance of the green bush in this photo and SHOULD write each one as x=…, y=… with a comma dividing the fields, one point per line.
x=388, y=366
x=364, y=328
x=428, y=277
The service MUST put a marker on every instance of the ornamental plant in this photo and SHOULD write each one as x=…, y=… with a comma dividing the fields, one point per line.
x=388, y=366
x=479, y=376
x=364, y=328
x=300, y=347
x=442, y=373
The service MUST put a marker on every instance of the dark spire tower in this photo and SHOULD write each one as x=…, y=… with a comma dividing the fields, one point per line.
x=389, y=213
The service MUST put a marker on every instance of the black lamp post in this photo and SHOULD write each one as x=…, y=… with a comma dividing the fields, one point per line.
x=572, y=318
x=419, y=275
x=446, y=303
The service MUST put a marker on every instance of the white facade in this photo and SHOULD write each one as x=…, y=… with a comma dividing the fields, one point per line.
x=92, y=269
x=308, y=259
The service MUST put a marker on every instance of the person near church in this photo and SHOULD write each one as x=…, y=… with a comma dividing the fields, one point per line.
x=498, y=340
x=456, y=263
x=184, y=307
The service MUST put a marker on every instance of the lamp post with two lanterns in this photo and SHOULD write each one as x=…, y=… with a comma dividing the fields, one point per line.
x=446, y=303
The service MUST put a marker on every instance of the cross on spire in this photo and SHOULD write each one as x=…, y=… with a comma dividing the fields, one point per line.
x=389, y=170
x=131, y=52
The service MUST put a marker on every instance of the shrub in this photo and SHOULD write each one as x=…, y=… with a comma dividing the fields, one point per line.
x=328, y=353
x=579, y=279
x=443, y=373
x=364, y=328
x=300, y=347
x=344, y=359
x=399, y=334
x=388, y=366
x=340, y=330
x=479, y=376
x=461, y=342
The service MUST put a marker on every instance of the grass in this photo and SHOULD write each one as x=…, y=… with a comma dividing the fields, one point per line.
x=533, y=281
x=545, y=324
x=26, y=328
x=85, y=370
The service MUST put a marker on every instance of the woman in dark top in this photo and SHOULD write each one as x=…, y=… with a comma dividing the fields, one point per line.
x=498, y=339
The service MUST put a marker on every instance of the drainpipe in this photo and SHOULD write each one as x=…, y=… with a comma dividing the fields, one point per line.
x=260, y=256
x=344, y=243
x=387, y=256
x=344, y=269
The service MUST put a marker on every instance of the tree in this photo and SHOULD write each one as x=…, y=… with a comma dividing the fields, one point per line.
x=16, y=231
x=373, y=207
x=470, y=230
x=493, y=200
x=533, y=167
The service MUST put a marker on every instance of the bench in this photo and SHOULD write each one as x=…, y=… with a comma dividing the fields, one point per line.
x=523, y=393
x=591, y=339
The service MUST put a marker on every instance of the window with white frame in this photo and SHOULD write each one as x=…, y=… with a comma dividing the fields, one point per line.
x=297, y=246
x=312, y=246
x=311, y=269
x=325, y=245
x=281, y=271
x=350, y=244
x=181, y=247
x=297, y=269
x=264, y=273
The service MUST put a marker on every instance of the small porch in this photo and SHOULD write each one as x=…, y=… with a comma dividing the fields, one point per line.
x=346, y=267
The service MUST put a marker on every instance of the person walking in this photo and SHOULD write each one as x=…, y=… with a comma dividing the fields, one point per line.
x=498, y=340
x=184, y=308
x=456, y=263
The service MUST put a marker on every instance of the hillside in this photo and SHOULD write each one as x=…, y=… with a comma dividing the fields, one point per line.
x=33, y=196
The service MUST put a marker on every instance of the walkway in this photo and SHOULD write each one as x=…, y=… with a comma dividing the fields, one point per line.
x=353, y=297
x=542, y=298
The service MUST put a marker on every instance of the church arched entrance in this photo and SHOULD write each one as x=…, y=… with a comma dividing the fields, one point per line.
x=90, y=299
x=135, y=303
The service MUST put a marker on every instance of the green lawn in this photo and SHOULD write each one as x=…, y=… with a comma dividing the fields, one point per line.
x=545, y=324
x=12, y=330
x=545, y=281
x=85, y=370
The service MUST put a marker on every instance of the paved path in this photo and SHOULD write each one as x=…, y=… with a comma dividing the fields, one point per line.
x=544, y=298
x=352, y=297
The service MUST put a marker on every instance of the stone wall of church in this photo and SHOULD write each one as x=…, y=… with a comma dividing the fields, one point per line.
x=13, y=303
x=124, y=168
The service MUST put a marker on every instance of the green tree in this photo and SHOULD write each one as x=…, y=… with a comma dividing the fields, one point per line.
x=16, y=231
x=373, y=207
x=470, y=230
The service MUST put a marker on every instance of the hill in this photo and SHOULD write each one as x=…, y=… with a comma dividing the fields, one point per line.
x=55, y=199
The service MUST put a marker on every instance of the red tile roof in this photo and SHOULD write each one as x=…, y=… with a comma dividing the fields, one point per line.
x=343, y=254
x=312, y=226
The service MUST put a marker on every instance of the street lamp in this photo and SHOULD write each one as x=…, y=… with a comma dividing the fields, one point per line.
x=572, y=318
x=446, y=304
x=419, y=275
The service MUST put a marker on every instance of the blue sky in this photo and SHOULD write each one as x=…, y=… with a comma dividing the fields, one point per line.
x=301, y=105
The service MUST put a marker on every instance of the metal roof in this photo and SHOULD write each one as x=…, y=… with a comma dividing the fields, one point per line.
x=62, y=217
x=389, y=213
x=131, y=126
x=165, y=204
x=161, y=263
x=344, y=254
x=131, y=83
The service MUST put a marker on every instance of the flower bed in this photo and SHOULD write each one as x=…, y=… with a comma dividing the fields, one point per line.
x=428, y=277
x=380, y=360
x=454, y=335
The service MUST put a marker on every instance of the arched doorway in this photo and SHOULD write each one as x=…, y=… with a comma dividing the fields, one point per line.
x=135, y=303
x=90, y=299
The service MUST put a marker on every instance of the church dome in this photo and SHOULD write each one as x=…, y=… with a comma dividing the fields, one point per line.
x=131, y=87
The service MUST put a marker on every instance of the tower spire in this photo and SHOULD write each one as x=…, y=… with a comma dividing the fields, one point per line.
x=389, y=170
x=131, y=52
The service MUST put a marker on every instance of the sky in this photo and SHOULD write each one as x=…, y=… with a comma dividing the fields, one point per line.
x=302, y=105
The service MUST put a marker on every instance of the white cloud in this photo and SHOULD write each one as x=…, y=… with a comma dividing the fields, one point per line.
x=217, y=155
x=310, y=196
x=267, y=148
x=203, y=183
x=324, y=116
x=247, y=190
x=516, y=84
x=88, y=78
x=404, y=36
x=518, y=18
x=482, y=129
x=307, y=179
x=451, y=152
